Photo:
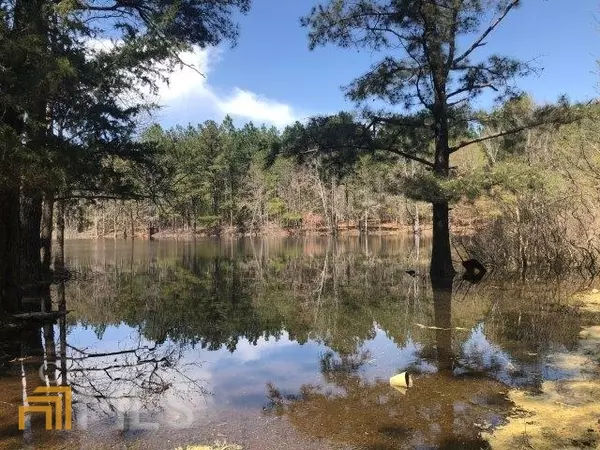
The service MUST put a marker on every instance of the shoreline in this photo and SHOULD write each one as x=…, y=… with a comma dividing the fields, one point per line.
x=190, y=235
x=565, y=414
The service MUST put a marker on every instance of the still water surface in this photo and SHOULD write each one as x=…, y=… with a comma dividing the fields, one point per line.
x=283, y=343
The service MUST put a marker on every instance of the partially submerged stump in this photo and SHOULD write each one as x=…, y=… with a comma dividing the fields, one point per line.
x=474, y=271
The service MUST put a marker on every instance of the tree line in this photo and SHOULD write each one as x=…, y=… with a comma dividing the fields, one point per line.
x=217, y=179
x=520, y=201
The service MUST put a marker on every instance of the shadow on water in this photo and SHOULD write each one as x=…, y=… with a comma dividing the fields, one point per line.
x=305, y=329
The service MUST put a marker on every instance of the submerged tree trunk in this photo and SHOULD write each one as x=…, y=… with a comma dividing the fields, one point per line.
x=441, y=255
x=442, y=305
x=10, y=299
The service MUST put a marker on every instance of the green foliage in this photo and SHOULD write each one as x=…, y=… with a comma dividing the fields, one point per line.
x=433, y=79
x=291, y=220
x=429, y=34
x=205, y=169
x=76, y=106
x=336, y=141
x=276, y=206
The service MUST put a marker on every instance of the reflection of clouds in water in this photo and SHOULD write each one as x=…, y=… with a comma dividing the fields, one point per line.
x=561, y=364
x=228, y=378
x=409, y=357
x=114, y=337
x=388, y=358
x=477, y=353
x=246, y=351
x=239, y=378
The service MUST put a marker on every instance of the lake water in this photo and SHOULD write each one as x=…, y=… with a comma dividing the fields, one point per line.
x=282, y=343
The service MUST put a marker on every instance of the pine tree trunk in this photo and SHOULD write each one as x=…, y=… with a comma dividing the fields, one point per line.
x=441, y=255
x=96, y=223
x=522, y=247
x=46, y=231
x=132, y=222
x=103, y=218
x=115, y=221
x=195, y=216
x=417, y=222
x=33, y=17
x=10, y=299
x=30, y=241
x=334, y=225
x=59, y=253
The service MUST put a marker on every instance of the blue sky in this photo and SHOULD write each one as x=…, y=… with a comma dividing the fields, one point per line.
x=271, y=77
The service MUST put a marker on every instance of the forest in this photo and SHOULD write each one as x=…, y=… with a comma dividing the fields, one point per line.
x=514, y=185
x=527, y=199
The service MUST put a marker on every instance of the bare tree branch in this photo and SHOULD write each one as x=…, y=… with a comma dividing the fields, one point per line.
x=479, y=41
x=411, y=157
x=472, y=88
x=495, y=135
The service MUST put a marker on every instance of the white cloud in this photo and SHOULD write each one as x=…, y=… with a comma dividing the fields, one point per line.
x=249, y=105
x=188, y=96
x=190, y=78
x=189, y=89
x=101, y=45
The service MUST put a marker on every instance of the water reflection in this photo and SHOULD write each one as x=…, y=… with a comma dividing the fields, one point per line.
x=442, y=306
x=308, y=329
x=451, y=401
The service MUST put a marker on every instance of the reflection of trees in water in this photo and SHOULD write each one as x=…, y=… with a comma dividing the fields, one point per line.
x=329, y=291
x=440, y=410
x=215, y=301
x=337, y=368
x=139, y=376
x=442, y=306
x=336, y=293
x=142, y=373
